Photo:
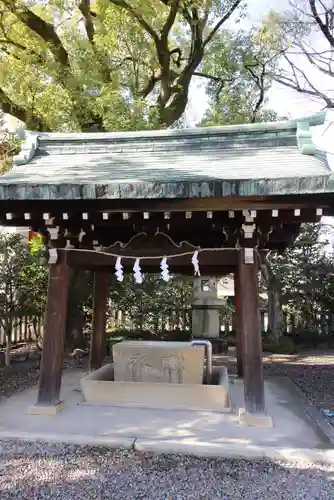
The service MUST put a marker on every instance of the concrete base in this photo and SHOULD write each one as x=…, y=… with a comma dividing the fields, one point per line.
x=234, y=451
x=294, y=436
x=254, y=420
x=45, y=409
x=99, y=388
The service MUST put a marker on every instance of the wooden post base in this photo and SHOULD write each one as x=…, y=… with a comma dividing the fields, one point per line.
x=47, y=410
x=257, y=420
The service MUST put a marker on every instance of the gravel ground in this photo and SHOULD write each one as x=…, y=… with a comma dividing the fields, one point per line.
x=54, y=471
x=313, y=373
x=17, y=378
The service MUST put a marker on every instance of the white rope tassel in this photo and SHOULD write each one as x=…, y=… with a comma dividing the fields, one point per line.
x=164, y=270
x=137, y=272
x=195, y=263
x=119, y=269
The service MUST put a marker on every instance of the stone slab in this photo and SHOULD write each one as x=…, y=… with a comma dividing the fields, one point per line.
x=98, y=388
x=246, y=452
x=126, y=443
x=158, y=362
x=48, y=410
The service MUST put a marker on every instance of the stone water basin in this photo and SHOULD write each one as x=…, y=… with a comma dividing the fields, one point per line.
x=162, y=375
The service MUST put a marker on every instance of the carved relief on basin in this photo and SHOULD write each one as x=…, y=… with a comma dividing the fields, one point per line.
x=164, y=362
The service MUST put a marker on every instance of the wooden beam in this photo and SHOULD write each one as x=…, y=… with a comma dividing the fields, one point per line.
x=100, y=299
x=54, y=334
x=238, y=322
x=74, y=218
x=251, y=335
x=190, y=204
x=216, y=260
x=176, y=271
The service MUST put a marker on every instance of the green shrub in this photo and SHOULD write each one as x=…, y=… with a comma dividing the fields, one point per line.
x=285, y=345
x=310, y=338
x=117, y=334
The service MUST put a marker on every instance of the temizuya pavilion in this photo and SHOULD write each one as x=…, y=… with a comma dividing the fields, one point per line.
x=241, y=189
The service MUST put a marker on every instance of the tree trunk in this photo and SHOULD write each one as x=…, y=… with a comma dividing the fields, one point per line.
x=8, y=349
x=274, y=315
x=274, y=304
x=74, y=334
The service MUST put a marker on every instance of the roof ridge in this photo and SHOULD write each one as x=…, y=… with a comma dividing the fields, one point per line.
x=27, y=150
x=305, y=139
x=301, y=125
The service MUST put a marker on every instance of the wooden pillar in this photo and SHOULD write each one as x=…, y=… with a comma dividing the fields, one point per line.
x=238, y=323
x=263, y=326
x=54, y=334
x=100, y=299
x=251, y=334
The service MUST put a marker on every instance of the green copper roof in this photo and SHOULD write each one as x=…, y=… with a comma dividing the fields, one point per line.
x=256, y=159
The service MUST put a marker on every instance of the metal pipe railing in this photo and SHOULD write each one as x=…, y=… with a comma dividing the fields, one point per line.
x=208, y=354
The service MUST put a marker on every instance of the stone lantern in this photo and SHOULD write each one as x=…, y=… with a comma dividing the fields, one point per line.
x=205, y=308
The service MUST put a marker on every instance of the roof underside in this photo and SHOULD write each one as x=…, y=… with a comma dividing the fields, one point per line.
x=260, y=159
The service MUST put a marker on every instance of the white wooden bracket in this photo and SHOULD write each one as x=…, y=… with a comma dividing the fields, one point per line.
x=249, y=256
x=53, y=256
x=249, y=230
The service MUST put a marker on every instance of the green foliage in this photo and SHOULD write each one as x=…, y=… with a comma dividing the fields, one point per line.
x=241, y=64
x=151, y=304
x=22, y=279
x=34, y=279
x=304, y=274
x=9, y=146
x=125, y=64
x=285, y=345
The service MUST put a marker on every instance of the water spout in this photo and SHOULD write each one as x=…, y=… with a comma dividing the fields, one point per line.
x=208, y=354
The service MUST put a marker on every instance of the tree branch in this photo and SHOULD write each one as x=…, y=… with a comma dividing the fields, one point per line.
x=21, y=113
x=45, y=30
x=329, y=102
x=324, y=27
x=124, y=5
x=88, y=16
x=84, y=7
x=295, y=85
x=220, y=23
x=150, y=86
x=207, y=76
x=311, y=57
x=175, y=4
x=39, y=58
x=259, y=81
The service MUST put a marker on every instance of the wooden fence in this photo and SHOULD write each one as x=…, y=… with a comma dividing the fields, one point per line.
x=26, y=329
x=150, y=320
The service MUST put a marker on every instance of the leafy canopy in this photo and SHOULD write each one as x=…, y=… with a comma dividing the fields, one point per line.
x=122, y=64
